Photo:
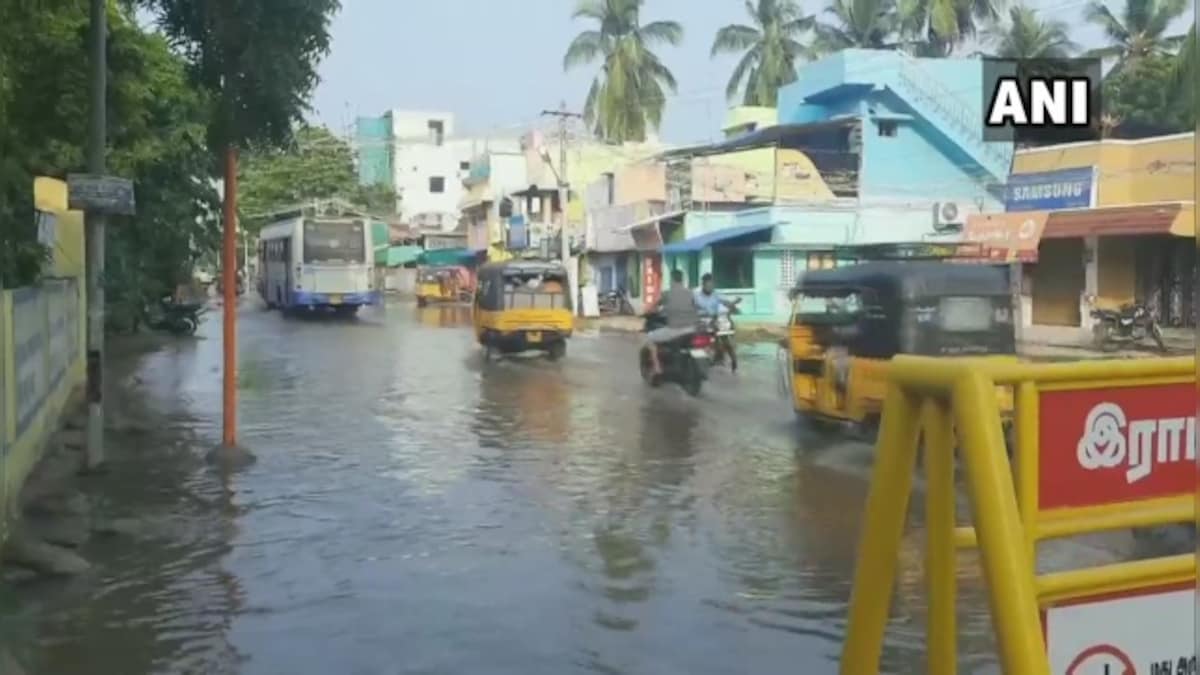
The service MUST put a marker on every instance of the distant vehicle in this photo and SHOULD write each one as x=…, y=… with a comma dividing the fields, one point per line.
x=316, y=263
x=1128, y=325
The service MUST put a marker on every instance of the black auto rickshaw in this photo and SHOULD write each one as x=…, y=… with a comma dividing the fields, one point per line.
x=847, y=323
x=523, y=305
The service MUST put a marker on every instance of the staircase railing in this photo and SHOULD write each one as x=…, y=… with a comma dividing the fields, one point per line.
x=950, y=108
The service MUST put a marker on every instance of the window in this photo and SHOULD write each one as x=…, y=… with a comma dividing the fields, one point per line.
x=787, y=269
x=841, y=307
x=334, y=242
x=965, y=315
x=437, y=184
x=464, y=166
x=436, y=131
x=888, y=127
x=733, y=267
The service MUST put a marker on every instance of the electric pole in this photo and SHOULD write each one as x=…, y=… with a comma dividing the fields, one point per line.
x=94, y=240
x=563, y=190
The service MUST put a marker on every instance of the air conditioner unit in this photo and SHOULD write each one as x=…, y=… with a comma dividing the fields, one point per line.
x=948, y=217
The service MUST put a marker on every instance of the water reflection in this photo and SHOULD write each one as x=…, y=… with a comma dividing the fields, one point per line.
x=444, y=316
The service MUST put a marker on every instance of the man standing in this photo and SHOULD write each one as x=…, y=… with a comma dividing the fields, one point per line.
x=678, y=307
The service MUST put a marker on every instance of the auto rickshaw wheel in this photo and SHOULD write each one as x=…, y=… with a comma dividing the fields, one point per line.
x=557, y=350
x=421, y=302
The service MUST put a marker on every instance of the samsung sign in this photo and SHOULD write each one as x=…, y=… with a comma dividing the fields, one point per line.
x=1050, y=190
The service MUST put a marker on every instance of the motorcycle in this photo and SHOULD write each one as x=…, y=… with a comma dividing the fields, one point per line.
x=1131, y=324
x=685, y=361
x=615, y=302
x=178, y=318
x=722, y=330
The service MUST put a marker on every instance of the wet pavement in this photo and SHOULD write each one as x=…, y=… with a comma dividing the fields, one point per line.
x=415, y=509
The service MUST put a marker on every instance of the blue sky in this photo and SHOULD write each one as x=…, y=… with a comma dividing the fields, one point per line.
x=496, y=64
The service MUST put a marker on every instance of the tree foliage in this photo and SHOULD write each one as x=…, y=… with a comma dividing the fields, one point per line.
x=257, y=59
x=866, y=24
x=317, y=165
x=1139, y=30
x=1027, y=36
x=156, y=128
x=772, y=46
x=627, y=97
x=1140, y=98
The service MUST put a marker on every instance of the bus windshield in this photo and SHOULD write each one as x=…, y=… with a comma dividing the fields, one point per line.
x=332, y=241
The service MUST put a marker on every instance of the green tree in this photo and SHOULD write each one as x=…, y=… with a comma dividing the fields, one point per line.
x=1186, y=72
x=866, y=24
x=317, y=165
x=1027, y=36
x=156, y=133
x=1140, y=97
x=627, y=97
x=937, y=27
x=1140, y=30
x=771, y=49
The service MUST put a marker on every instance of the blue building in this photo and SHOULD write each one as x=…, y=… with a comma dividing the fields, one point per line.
x=871, y=148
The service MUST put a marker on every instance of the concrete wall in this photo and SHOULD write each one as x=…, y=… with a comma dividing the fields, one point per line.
x=41, y=362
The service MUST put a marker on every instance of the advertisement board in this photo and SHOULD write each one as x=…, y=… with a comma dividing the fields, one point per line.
x=1115, y=444
x=1049, y=190
x=1143, y=632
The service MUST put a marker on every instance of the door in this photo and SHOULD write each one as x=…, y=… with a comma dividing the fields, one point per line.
x=1058, y=282
x=693, y=269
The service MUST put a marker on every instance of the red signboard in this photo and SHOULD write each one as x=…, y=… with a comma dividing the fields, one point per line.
x=1116, y=444
x=651, y=279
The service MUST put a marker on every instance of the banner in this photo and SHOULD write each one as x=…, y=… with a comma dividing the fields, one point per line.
x=1050, y=190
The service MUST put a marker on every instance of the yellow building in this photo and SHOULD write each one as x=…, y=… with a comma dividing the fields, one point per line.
x=1117, y=225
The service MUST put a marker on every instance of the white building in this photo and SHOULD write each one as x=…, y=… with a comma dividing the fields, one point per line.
x=425, y=161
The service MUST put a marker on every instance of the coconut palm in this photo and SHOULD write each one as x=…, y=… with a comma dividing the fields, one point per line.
x=627, y=96
x=936, y=27
x=1186, y=72
x=867, y=24
x=1140, y=30
x=771, y=49
x=1027, y=36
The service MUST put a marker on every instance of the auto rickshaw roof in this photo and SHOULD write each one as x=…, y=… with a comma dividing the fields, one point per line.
x=913, y=279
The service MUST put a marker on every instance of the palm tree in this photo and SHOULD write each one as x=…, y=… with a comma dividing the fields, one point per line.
x=867, y=24
x=1139, y=31
x=771, y=47
x=627, y=96
x=1186, y=73
x=1027, y=36
x=936, y=27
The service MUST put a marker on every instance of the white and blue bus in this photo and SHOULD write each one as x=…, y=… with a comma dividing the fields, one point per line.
x=317, y=263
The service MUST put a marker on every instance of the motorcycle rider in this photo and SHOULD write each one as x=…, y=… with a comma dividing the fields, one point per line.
x=712, y=304
x=678, y=307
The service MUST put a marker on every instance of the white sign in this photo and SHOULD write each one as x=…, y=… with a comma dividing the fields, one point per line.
x=1148, y=634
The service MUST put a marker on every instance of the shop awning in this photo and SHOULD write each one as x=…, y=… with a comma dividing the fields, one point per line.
x=402, y=255
x=447, y=256
x=715, y=237
x=1119, y=220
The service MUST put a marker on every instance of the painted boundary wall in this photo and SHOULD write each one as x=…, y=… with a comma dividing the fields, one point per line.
x=42, y=345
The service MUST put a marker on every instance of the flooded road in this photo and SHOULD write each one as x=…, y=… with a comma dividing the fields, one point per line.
x=417, y=510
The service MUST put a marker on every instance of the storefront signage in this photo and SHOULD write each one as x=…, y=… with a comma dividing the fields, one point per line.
x=1006, y=237
x=1050, y=190
x=1116, y=445
x=1144, y=632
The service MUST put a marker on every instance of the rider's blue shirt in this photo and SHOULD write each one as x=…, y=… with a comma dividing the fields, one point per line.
x=708, y=304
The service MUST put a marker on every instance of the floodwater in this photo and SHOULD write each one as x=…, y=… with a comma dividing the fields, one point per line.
x=415, y=509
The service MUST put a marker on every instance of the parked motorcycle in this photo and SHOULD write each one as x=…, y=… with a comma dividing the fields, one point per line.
x=178, y=318
x=1131, y=324
x=615, y=302
x=685, y=361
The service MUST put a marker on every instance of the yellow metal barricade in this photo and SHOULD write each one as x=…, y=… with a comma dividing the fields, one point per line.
x=1100, y=446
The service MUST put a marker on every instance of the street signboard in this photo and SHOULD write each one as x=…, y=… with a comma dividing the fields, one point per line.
x=100, y=194
x=1143, y=632
x=1116, y=444
x=1073, y=188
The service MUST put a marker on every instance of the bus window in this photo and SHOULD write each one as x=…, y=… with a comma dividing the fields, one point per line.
x=334, y=242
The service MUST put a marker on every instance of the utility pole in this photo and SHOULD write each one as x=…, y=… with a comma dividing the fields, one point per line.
x=94, y=241
x=563, y=187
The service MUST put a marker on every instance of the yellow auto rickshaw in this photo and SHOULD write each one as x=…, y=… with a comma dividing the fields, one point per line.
x=442, y=283
x=522, y=305
x=847, y=323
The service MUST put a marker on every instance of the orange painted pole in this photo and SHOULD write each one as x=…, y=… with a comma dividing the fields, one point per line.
x=229, y=281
